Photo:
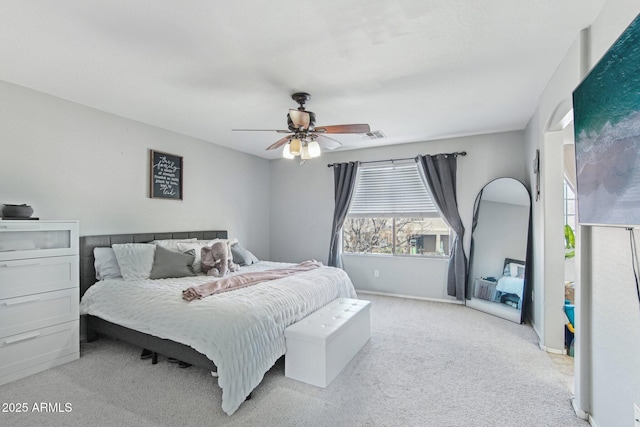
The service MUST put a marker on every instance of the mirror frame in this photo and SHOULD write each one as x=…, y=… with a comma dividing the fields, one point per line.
x=528, y=250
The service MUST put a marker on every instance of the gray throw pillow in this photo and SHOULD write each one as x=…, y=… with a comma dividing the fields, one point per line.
x=242, y=256
x=169, y=263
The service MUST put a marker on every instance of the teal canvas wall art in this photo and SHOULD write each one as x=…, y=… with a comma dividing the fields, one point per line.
x=606, y=109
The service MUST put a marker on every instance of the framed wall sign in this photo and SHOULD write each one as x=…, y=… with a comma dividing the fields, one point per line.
x=165, y=176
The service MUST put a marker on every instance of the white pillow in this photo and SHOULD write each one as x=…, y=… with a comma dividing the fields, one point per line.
x=172, y=244
x=197, y=247
x=507, y=270
x=513, y=269
x=106, y=264
x=230, y=242
x=135, y=259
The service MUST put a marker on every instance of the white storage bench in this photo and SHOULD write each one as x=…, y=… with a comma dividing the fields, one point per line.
x=322, y=344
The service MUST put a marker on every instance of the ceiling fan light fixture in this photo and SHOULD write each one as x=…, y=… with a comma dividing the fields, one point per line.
x=314, y=149
x=295, y=147
x=298, y=119
x=286, y=153
x=304, y=155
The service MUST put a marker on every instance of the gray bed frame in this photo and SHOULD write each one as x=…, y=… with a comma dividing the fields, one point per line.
x=97, y=326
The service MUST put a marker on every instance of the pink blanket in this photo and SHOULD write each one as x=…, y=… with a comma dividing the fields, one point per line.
x=245, y=279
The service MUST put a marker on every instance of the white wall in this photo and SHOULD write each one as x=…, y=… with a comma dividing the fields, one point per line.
x=302, y=208
x=546, y=313
x=551, y=200
x=613, y=344
x=402, y=275
x=73, y=162
x=535, y=295
x=615, y=329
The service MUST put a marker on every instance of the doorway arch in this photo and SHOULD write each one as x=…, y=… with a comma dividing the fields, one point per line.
x=559, y=140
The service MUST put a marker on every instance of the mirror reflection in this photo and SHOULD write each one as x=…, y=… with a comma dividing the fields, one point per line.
x=499, y=249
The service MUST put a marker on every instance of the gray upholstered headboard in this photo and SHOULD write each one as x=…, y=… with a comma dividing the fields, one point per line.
x=87, y=243
x=508, y=261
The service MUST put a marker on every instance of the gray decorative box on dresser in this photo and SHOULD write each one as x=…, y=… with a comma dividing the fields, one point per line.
x=39, y=296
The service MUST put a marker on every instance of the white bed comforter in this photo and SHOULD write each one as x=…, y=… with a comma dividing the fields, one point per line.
x=510, y=285
x=241, y=331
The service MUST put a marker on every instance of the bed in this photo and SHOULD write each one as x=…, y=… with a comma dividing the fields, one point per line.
x=239, y=335
x=510, y=287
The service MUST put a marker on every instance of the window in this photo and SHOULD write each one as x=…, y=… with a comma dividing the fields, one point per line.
x=392, y=213
x=569, y=206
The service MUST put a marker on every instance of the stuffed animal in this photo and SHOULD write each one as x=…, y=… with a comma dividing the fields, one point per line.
x=217, y=259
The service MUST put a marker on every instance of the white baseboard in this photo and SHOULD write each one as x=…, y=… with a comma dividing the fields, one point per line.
x=551, y=349
x=580, y=413
x=544, y=347
x=386, y=294
x=583, y=415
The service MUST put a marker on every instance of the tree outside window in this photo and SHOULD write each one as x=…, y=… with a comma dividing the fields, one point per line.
x=413, y=236
x=392, y=214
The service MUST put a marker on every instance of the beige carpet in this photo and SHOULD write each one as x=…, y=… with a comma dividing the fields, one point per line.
x=427, y=364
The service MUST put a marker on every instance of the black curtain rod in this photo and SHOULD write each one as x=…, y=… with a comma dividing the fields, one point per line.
x=460, y=153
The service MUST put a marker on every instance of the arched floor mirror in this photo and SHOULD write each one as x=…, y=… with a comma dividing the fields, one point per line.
x=499, y=242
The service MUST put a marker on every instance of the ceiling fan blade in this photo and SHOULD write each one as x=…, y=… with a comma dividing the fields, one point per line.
x=280, y=142
x=299, y=118
x=328, y=143
x=359, y=128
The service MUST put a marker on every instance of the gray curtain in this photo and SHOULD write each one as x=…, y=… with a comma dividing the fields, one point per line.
x=474, y=224
x=344, y=176
x=439, y=175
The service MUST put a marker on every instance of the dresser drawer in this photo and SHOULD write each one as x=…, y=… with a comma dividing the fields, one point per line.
x=23, y=314
x=37, y=239
x=31, y=276
x=30, y=352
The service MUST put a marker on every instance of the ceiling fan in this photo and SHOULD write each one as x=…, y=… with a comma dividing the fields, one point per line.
x=305, y=138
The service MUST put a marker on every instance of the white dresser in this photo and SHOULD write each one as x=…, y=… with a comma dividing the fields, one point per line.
x=39, y=296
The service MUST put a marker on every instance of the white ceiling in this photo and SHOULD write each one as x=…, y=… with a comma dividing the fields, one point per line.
x=416, y=69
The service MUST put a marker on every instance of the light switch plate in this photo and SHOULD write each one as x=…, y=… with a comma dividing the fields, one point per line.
x=636, y=415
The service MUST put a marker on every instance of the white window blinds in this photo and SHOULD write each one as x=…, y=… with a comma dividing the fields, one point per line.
x=391, y=191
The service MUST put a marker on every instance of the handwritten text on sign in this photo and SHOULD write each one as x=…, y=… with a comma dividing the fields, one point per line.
x=166, y=176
